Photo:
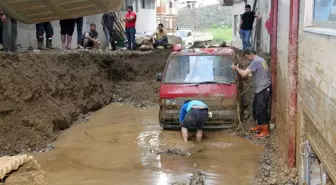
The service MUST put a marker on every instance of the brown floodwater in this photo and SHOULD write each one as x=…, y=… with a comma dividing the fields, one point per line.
x=113, y=148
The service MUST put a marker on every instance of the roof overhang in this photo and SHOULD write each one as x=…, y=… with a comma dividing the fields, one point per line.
x=230, y=2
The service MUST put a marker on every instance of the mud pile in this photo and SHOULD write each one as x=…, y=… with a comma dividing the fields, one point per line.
x=274, y=169
x=42, y=94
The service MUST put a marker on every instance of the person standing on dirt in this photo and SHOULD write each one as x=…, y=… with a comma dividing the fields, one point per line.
x=67, y=29
x=130, y=20
x=193, y=113
x=246, y=25
x=8, y=33
x=91, y=37
x=79, y=26
x=263, y=92
x=49, y=30
x=160, y=37
x=2, y=17
x=107, y=22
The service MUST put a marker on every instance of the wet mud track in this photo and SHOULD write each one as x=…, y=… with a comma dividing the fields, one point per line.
x=124, y=145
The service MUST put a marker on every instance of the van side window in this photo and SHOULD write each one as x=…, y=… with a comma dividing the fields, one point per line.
x=189, y=34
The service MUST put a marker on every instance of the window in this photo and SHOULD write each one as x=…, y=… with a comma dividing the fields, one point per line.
x=147, y=4
x=158, y=3
x=197, y=69
x=170, y=4
x=324, y=13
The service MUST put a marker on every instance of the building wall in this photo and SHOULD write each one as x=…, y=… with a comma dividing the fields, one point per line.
x=263, y=8
x=207, y=16
x=161, y=6
x=146, y=21
x=317, y=86
x=166, y=13
x=282, y=92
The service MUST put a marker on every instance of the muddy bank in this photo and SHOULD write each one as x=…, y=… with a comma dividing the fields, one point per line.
x=274, y=169
x=42, y=94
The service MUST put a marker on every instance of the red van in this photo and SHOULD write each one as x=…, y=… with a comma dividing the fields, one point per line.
x=203, y=74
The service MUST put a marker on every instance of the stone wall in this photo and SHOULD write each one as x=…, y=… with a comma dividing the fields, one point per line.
x=205, y=17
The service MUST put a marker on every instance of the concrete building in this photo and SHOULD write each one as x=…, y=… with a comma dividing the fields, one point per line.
x=146, y=22
x=302, y=46
x=166, y=13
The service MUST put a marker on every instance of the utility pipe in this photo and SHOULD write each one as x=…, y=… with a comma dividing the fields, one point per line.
x=293, y=77
x=274, y=49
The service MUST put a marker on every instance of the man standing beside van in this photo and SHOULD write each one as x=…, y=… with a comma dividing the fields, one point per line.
x=263, y=92
x=246, y=25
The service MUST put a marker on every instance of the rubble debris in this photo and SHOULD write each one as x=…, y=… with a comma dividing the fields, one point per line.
x=195, y=179
x=178, y=152
x=274, y=169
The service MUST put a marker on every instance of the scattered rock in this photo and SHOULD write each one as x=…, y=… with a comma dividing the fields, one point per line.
x=197, y=179
x=170, y=152
x=273, y=168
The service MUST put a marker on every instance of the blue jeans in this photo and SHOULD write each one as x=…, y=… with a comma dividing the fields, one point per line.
x=9, y=35
x=130, y=34
x=79, y=23
x=245, y=35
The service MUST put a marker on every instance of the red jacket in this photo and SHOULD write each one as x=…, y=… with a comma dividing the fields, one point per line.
x=131, y=24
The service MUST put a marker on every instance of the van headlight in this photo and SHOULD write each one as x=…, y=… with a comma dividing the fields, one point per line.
x=170, y=102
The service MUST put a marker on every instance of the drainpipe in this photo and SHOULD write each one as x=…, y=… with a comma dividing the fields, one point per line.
x=274, y=49
x=293, y=77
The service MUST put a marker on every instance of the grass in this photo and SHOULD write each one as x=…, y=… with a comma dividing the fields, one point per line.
x=221, y=33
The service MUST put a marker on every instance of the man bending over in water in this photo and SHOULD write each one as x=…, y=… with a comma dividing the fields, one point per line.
x=193, y=113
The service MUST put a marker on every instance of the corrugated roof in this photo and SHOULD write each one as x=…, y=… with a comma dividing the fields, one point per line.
x=34, y=11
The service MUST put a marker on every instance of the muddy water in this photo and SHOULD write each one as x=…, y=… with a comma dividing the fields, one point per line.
x=115, y=146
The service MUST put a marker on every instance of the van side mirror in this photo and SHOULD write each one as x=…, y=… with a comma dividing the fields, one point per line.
x=158, y=77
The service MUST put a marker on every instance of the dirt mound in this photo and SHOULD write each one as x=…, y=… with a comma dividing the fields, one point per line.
x=274, y=168
x=42, y=94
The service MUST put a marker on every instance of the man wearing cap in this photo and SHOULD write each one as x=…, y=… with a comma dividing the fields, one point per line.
x=193, y=113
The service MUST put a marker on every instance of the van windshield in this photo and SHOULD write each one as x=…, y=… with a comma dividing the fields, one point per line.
x=199, y=69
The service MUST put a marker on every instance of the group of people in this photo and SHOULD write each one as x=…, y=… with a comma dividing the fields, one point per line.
x=8, y=33
x=195, y=113
x=88, y=39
